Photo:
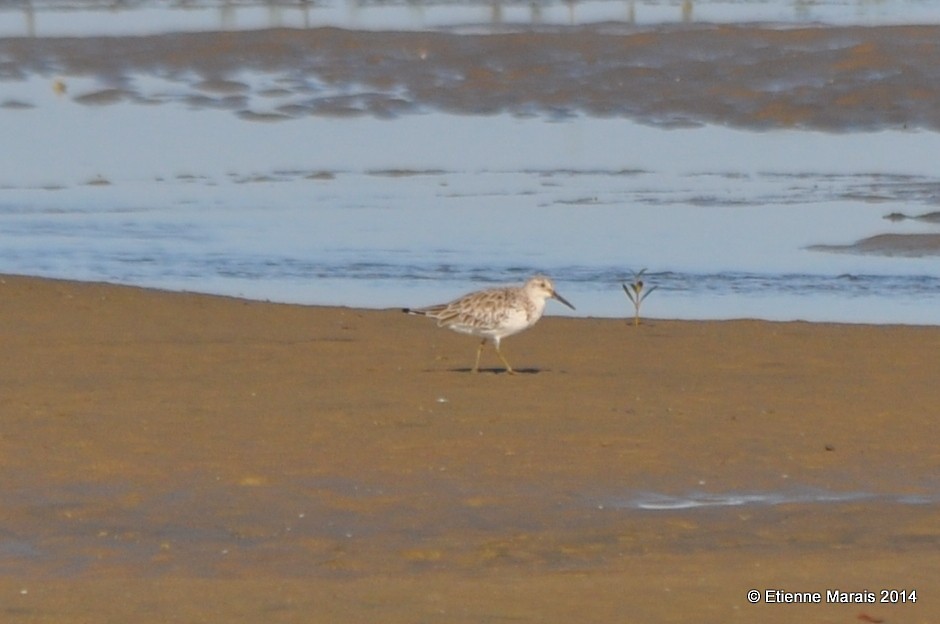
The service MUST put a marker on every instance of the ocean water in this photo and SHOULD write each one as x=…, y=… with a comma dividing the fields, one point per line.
x=163, y=179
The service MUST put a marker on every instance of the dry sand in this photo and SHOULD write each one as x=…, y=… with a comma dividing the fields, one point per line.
x=186, y=458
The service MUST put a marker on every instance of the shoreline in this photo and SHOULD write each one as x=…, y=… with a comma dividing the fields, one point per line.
x=202, y=456
x=427, y=298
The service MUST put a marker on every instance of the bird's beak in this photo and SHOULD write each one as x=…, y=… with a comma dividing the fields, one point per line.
x=555, y=295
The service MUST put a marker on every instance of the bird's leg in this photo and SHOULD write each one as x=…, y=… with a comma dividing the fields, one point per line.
x=505, y=361
x=476, y=367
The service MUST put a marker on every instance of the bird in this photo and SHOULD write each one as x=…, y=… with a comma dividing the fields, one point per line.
x=494, y=313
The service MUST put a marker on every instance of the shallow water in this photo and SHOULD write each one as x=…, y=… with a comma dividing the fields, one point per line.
x=93, y=17
x=652, y=501
x=394, y=179
x=313, y=213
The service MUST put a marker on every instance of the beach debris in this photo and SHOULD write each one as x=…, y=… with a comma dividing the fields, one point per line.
x=637, y=293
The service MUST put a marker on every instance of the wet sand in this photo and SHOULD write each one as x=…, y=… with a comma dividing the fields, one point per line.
x=748, y=76
x=180, y=457
x=912, y=245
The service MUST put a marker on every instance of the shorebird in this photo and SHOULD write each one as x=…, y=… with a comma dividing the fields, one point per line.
x=494, y=313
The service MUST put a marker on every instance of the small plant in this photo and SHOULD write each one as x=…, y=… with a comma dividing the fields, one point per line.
x=636, y=293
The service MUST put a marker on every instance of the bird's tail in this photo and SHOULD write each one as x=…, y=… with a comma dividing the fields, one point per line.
x=434, y=311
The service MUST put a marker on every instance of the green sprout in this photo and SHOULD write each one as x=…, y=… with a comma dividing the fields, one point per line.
x=637, y=294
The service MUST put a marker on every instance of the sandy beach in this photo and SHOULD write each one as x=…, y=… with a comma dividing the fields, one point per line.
x=180, y=457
